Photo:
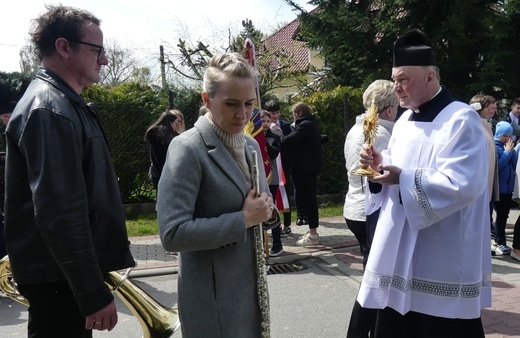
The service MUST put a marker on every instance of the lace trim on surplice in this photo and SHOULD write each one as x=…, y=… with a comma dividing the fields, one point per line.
x=375, y=280
x=422, y=200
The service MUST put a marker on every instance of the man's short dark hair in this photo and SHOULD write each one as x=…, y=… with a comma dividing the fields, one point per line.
x=59, y=22
x=272, y=105
x=516, y=101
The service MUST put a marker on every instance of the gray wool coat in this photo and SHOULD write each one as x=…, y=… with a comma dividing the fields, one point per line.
x=200, y=197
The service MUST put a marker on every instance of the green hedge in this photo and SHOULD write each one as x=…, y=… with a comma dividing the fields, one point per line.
x=125, y=112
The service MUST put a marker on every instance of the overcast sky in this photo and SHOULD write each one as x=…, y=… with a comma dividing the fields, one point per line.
x=144, y=25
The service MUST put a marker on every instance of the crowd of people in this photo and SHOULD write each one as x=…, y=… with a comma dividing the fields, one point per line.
x=423, y=222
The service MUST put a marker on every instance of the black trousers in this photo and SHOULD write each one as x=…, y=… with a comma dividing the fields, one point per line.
x=276, y=231
x=391, y=324
x=289, y=190
x=359, y=229
x=53, y=312
x=305, y=195
x=502, y=208
x=371, y=229
x=364, y=232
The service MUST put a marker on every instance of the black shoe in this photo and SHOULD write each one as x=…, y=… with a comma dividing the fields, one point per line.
x=275, y=251
x=305, y=221
x=299, y=221
x=285, y=232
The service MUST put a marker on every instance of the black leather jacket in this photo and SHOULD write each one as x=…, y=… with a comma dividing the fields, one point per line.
x=63, y=212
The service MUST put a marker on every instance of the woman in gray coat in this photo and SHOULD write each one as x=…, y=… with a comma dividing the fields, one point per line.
x=207, y=210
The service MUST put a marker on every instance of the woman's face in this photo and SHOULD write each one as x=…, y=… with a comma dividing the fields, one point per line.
x=232, y=105
x=175, y=124
x=489, y=111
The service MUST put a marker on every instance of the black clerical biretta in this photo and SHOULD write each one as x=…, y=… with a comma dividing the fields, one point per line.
x=413, y=49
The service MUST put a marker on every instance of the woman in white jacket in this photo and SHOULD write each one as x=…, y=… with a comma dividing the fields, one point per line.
x=380, y=93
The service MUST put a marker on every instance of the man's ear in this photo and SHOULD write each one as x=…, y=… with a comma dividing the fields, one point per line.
x=62, y=47
x=431, y=76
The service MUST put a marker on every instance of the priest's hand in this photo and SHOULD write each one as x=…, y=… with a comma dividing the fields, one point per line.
x=389, y=176
x=370, y=156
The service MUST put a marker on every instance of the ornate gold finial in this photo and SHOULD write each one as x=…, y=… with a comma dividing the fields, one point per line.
x=370, y=124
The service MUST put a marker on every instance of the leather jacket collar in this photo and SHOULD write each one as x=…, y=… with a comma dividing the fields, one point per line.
x=49, y=76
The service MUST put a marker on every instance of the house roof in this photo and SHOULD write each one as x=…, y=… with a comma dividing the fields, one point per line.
x=282, y=50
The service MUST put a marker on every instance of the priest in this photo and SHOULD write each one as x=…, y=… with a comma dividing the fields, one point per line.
x=429, y=270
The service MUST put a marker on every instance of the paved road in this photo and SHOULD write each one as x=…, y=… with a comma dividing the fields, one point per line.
x=315, y=302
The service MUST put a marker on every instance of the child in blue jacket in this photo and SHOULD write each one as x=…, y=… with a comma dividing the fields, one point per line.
x=507, y=157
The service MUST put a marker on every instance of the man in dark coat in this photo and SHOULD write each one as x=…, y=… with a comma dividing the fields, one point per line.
x=64, y=219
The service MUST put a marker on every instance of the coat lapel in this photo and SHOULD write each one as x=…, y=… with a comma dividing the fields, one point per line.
x=220, y=155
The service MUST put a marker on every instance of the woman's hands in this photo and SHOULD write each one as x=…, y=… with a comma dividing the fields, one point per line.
x=257, y=209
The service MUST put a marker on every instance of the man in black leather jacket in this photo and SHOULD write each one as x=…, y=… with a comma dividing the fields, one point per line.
x=65, y=225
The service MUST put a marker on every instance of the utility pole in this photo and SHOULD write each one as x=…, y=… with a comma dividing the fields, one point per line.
x=163, y=72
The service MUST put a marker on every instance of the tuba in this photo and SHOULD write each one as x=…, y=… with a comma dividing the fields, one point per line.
x=156, y=320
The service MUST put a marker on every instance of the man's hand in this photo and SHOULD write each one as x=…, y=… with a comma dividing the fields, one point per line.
x=276, y=129
x=370, y=156
x=104, y=319
x=390, y=175
x=509, y=146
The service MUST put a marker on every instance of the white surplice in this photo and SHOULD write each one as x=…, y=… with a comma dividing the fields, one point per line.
x=431, y=249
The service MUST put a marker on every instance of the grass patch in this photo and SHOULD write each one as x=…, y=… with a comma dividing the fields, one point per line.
x=331, y=210
x=146, y=224
x=142, y=225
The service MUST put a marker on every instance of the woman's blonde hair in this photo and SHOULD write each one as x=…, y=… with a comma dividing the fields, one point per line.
x=381, y=93
x=222, y=67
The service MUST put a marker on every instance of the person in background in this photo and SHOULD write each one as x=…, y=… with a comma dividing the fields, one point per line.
x=208, y=210
x=284, y=166
x=159, y=135
x=181, y=125
x=305, y=143
x=486, y=106
x=507, y=158
x=513, y=118
x=429, y=270
x=64, y=219
x=7, y=105
x=273, y=150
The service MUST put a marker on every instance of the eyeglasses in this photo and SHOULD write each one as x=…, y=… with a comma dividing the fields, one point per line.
x=101, y=51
